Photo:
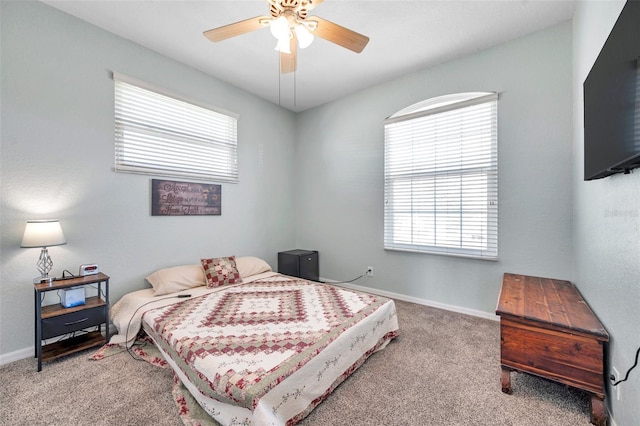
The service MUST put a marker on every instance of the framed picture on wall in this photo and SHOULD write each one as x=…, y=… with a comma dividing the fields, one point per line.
x=173, y=198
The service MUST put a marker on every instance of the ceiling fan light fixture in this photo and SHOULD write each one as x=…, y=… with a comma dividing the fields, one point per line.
x=291, y=25
x=283, y=45
x=280, y=28
x=304, y=36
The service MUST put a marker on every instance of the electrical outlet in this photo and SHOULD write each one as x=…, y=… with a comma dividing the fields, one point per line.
x=370, y=271
x=616, y=378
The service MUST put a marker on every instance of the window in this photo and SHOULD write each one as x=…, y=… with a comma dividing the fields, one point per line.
x=159, y=134
x=441, y=177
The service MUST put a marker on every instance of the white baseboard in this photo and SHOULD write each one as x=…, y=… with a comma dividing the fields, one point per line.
x=425, y=302
x=30, y=352
x=453, y=308
x=17, y=355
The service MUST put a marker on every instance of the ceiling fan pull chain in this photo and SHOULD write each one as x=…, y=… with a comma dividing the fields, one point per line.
x=279, y=83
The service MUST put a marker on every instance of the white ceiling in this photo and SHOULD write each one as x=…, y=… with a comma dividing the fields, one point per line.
x=405, y=36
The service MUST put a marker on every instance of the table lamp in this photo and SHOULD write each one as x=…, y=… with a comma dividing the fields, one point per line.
x=43, y=233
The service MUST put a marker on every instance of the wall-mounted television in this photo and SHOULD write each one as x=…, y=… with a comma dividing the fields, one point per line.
x=612, y=101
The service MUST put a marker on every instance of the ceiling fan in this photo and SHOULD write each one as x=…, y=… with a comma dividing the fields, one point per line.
x=292, y=27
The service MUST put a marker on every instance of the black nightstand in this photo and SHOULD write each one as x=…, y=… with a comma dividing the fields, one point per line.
x=56, y=320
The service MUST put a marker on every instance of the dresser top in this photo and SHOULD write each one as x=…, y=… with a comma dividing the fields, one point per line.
x=549, y=301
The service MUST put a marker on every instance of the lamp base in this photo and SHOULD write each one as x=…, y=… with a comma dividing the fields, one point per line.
x=44, y=280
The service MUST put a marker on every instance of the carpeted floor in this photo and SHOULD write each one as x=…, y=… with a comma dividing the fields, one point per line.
x=442, y=370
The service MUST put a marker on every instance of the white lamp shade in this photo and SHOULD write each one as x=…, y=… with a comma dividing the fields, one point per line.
x=281, y=31
x=43, y=233
x=305, y=38
x=280, y=27
x=283, y=45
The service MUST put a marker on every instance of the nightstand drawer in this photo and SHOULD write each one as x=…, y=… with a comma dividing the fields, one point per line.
x=74, y=321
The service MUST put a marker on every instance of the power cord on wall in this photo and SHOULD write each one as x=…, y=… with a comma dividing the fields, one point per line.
x=612, y=377
x=347, y=282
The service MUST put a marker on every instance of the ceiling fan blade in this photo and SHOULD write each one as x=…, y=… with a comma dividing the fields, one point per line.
x=288, y=61
x=339, y=35
x=237, y=28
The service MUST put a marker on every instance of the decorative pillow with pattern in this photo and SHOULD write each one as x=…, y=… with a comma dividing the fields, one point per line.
x=220, y=271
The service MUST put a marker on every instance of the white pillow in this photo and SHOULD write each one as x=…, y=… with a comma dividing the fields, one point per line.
x=177, y=278
x=249, y=265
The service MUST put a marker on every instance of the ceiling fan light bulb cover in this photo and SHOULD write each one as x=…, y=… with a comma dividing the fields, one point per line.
x=283, y=45
x=280, y=27
x=305, y=38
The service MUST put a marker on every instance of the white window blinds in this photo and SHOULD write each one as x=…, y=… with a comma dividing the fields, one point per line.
x=162, y=135
x=441, y=177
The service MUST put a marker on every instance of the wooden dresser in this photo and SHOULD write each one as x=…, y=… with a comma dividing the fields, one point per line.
x=547, y=329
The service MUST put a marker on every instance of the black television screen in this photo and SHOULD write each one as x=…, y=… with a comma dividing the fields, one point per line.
x=612, y=101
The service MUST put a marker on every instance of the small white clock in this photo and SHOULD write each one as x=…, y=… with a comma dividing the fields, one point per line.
x=88, y=269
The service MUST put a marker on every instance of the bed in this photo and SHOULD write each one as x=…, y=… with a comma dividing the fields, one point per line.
x=261, y=349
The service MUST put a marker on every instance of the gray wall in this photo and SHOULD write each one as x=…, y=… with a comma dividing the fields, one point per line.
x=606, y=225
x=340, y=162
x=57, y=160
x=314, y=180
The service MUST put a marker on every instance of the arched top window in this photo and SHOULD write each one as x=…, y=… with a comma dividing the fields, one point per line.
x=441, y=176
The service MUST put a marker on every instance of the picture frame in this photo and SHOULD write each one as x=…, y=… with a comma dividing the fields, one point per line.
x=176, y=198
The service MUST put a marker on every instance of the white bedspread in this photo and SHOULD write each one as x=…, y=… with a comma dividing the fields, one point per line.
x=264, y=352
x=127, y=312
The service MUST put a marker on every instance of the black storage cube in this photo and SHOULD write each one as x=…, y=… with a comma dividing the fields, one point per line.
x=299, y=263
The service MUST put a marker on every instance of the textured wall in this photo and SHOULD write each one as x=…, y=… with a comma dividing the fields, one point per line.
x=57, y=150
x=607, y=226
x=57, y=161
x=341, y=165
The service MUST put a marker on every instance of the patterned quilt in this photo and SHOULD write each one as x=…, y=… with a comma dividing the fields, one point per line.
x=275, y=347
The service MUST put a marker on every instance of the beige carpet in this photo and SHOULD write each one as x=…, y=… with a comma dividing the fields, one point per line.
x=442, y=370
